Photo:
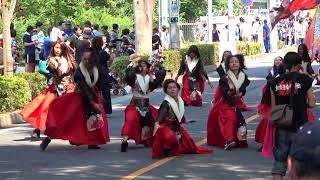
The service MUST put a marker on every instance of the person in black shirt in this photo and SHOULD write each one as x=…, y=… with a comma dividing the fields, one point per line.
x=280, y=94
x=104, y=81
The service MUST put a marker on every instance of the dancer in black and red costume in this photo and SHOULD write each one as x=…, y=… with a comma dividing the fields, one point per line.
x=226, y=125
x=61, y=64
x=170, y=137
x=264, y=108
x=79, y=117
x=193, y=77
x=140, y=115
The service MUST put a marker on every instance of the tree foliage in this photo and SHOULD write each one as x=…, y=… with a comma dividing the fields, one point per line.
x=191, y=10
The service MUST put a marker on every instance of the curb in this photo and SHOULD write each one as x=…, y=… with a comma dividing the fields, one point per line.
x=8, y=119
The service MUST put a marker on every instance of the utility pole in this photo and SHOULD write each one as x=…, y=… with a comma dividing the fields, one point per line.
x=273, y=34
x=231, y=27
x=210, y=20
x=174, y=8
x=163, y=13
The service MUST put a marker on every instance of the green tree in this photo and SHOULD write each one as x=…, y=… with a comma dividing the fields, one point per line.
x=191, y=10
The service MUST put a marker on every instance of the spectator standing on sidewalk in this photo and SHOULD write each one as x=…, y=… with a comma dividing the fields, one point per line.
x=105, y=32
x=215, y=33
x=266, y=36
x=95, y=31
x=255, y=30
x=68, y=31
x=29, y=47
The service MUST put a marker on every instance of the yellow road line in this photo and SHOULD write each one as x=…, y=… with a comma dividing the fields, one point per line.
x=252, y=118
x=148, y=168
x=168, y=159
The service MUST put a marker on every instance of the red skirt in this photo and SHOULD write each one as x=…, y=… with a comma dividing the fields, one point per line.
x=241, y=103
x=263, y=109
x=165, y=139
x=132, y=125
x=67, y=121
x=222, y=125
x=36, y=111
x=186, y=93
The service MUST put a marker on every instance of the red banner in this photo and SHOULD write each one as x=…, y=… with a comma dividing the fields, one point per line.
x=287, y=8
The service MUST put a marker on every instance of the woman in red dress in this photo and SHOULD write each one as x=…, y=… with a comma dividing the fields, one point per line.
x=170, y=137
x=222, y=72
x=79, y=117
x=264, y=106
x=139, y=114
x=193, y=78
x=226, y=125
x=61, y=65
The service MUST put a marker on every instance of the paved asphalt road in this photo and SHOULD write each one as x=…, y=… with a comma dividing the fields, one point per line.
x=21, y=158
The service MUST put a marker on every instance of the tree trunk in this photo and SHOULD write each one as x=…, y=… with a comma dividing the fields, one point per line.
x=143, y=16
x=6, y=21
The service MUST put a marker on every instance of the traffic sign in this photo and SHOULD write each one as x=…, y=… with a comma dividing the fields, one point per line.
x=246, y=2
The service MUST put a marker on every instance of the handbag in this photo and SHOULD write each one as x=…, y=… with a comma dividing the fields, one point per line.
x=43, y=67
x=242, y=128
x=282, y=115
x=95, y=122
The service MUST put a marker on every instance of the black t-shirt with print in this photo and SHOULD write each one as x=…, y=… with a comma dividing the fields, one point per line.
x=281, y=87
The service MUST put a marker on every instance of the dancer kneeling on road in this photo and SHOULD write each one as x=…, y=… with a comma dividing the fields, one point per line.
x=226, y=125
x=170, y=137
x=79, y=117
x=139, y=114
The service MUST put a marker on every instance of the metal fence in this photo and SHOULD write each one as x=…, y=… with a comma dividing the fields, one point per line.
x=188, y=28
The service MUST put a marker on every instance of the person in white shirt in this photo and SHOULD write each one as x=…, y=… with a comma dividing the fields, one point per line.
x=255, y=30
x=164, y=36
x=301, y=32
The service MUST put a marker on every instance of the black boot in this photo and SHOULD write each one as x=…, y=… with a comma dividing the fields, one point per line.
x=229, y=145
x=124, y=146
x=93, y=147
x=167, y=152
x=45, y=143
x=36, y=133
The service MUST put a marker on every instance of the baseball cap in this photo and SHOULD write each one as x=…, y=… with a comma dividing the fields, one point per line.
x=68, y=22
x=87, y=34
x=306, y=143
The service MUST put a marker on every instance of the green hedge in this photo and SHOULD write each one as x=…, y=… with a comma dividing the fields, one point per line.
x=37, y=82
x=248, y=49
x=119, y=66
x=14, y=93
x=173, y=58
x=209, y=55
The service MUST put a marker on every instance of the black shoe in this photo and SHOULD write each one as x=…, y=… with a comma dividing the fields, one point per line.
x=45, y=144
x=229, y=145
x=167, y=152
x=124, y=146
x=93, y=147
x=198, y=105
x=36, y=133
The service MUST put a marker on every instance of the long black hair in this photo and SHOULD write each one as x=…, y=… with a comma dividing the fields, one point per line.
x=94, y=58
x=305, y=55
x=193, y=49
x=240, y=57
x=222, y=60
